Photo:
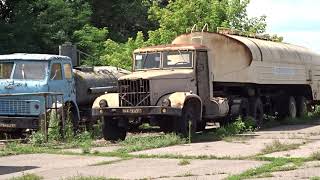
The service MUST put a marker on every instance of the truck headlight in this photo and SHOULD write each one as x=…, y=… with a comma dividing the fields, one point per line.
x=103, y=103
x=166, y=102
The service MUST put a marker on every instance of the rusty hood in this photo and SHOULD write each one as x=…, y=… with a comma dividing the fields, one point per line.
x=160, y=74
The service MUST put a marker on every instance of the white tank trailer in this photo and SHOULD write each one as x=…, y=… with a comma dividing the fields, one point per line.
x=205, y=76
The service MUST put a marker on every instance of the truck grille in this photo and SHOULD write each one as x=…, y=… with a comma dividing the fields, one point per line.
x=14, y=107
x=134, y=92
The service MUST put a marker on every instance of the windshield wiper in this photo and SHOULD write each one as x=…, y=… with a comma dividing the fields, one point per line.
x=182, y=56
x=144, y=60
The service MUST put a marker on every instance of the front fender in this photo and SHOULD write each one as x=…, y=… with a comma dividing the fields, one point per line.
x=178, y=99
x=111, y=98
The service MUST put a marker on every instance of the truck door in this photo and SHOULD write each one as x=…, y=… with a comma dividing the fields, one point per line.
x=202, y=74
x=57, y=82
x=203, y=84
x=70, y=87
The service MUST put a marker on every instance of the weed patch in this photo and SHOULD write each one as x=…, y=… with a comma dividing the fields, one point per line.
x=184, y=162
x=277, y=146
x=136, y=143
x=90, y=178
x=315, y=156
x=27, y=177
x=277, y=164
x=237, y=127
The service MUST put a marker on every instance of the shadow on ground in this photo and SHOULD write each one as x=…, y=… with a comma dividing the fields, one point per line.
x=13, y=169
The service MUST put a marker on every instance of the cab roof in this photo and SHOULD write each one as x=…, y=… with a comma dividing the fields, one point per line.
x=171, y=47
x=25, y=56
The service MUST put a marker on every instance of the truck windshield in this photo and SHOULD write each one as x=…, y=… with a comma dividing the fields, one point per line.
x=6, y=70
x=177, y=59
x=23, y=70
x=32, y=70
x=171, y=59
x=147, y=61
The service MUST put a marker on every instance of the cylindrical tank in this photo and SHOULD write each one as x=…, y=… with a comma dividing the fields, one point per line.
x=91, y=82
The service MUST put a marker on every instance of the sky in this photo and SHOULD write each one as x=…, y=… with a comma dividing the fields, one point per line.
x=298, y=21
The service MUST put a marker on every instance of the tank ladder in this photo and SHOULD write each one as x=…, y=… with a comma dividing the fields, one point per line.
x=199, y=38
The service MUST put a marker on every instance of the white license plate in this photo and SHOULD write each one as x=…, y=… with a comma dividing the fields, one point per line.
x=7, y=125
x=132, y=111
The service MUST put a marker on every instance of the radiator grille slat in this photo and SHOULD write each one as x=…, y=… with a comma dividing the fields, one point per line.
x=14, y=107
x=134, y=92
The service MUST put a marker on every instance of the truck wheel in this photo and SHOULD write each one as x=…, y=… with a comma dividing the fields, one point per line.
x=167, y=124
x=292, y=107
x=286, y=107
x=189, y=118
x=112, y=131
x=201, y=126
x=237, y=110
x=256, y=111
x=302, y=106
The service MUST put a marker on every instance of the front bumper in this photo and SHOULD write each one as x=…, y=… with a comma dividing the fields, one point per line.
x=19, y=122
x=137, y=111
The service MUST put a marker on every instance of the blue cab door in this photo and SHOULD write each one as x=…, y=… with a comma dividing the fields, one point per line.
x=61, y=80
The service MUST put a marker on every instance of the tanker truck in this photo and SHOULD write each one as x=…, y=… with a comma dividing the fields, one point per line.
x=32, y=85
x=205, y=76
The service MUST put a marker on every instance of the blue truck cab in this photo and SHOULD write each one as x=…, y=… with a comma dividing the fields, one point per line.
x=25, y=83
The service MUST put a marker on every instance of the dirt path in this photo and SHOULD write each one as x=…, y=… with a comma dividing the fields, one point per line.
x=62, y=166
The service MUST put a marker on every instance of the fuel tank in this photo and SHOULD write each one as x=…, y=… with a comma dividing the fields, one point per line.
x=92, y=82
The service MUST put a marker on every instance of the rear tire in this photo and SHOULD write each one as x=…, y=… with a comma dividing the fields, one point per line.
x=302, y=106
x=256, y=111
x=292, y=107
x=286, y=107
x=112, y=131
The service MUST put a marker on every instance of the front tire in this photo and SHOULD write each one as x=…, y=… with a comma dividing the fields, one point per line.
x=112, y=131
x=188, y=121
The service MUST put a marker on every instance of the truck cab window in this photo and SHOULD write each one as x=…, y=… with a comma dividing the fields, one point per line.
x=177, y=59
x=31, y=70
x=147, y=61
x=56, y=73
x=67, y=71
x=5, y=70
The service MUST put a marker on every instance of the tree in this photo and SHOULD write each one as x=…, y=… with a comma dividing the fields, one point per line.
x=40, y=25
x=124, y=18
x=180, y=15
x=91, y=40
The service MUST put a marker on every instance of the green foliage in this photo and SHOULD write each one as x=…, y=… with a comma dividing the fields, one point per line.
x=237, y=127
x=180, y=15
x=122, y=17
x=40, y=26
x=91, y=40
x=138, y=143
x=27, y=177
x=120, y=54
x=37, y=139
x=84, y=140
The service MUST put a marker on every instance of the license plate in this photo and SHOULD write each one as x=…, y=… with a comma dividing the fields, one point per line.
x=7, y=125
x=132, y=111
